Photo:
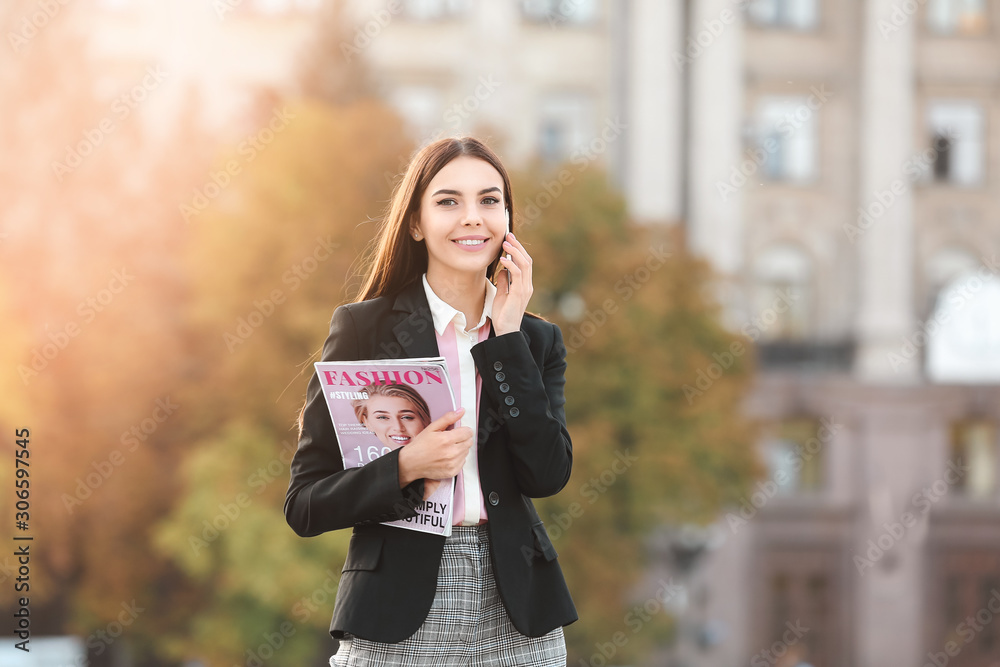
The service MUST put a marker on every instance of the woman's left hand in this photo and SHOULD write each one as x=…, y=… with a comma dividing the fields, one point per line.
x=510, y=302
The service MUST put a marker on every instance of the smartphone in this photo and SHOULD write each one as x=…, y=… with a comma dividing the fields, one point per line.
x=507, y=212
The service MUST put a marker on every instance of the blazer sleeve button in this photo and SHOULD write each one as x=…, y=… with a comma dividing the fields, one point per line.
x=497, y=366
x=504, y=387
x=514, y=412
x=494, y=498
x=500, y=377
x=509, y=400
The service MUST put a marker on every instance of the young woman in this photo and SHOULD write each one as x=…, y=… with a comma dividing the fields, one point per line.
x=493, y=592
x=396, y=414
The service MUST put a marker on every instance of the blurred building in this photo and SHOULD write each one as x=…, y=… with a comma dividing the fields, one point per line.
x=840, y=172
x=835, y=162
x=540, y=79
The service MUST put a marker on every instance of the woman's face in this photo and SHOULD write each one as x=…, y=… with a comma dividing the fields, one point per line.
x=394, y=420
x=462, y=218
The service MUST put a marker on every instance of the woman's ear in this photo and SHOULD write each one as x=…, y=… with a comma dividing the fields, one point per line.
x=415, y=229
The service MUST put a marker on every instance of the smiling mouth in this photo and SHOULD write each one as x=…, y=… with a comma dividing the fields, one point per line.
x=470, y=242
x=401, y=439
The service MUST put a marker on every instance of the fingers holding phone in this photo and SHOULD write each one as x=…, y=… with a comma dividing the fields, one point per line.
x=509, y=305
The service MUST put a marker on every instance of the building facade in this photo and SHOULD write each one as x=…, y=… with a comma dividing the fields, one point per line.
x=838, y=164
x=841, y=175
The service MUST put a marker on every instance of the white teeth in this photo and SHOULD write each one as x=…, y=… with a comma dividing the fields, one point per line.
x=471, y=241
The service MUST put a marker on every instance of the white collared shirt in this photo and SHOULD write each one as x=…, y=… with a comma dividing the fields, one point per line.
x=455, y=345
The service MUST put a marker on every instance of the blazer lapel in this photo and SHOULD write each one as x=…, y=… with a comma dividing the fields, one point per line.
x=415, y=331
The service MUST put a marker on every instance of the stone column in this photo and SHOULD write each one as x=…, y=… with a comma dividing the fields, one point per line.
x=885, y=242
x=715, y=145
x=655, y=110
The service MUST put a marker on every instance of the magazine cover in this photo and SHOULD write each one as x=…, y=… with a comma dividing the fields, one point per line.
x=381, y=405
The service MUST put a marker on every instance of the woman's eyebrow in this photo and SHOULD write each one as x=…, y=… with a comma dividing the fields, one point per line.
x=456, y=192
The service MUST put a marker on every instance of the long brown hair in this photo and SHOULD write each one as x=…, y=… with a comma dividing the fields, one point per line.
x=395, y=258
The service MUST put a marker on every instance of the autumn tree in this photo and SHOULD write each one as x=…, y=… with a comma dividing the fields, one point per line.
x=91, y=344
x=269, y=261
x=638, y=322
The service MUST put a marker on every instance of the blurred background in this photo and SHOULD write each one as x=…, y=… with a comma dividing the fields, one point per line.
x=768, y=229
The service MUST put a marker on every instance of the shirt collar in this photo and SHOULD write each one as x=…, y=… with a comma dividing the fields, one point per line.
x=444, y=314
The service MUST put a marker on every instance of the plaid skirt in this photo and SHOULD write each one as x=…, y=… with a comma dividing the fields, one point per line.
x=467, y=624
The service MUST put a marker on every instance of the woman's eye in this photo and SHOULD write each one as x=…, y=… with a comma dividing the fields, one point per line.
x=446, y=200
x=383, y=417
x=407, y=418
x=491, y=200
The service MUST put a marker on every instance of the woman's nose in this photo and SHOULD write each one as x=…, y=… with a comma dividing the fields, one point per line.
x=473, y=216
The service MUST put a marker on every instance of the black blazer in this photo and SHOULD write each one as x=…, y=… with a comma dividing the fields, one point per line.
x=524, y=450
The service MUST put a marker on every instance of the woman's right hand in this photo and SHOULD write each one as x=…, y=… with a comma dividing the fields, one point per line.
x=436, y=453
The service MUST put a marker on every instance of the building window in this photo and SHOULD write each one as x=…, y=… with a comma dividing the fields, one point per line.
x=944, y=266
x=965, y=591
x=785, y=136
x=957, y=17
x=963, y=334
x=802, y=596
x=788, y=14
x=974, y=446
x=559, y=12
x=795, y=455
x=955, y=130
x=564, y=121
x=782, y=294
x=434, y=10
